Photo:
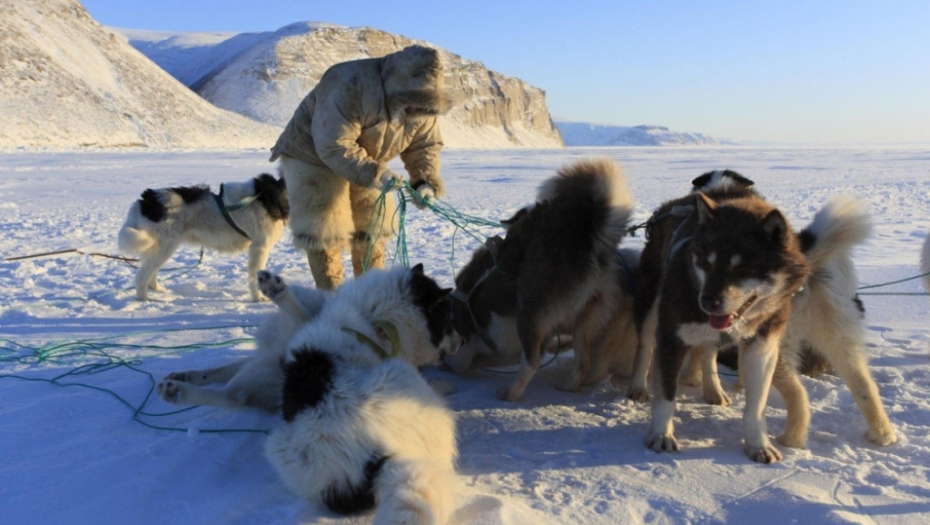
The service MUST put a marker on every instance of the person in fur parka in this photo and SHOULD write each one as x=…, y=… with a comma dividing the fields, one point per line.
x=335, y=149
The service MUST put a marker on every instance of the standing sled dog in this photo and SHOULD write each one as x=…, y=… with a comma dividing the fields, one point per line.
x=722, y=267
x=361, y=427
x=248, y=215
x=557, y=271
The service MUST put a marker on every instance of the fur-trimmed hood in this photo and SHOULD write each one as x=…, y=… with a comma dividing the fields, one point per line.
x=413, y=81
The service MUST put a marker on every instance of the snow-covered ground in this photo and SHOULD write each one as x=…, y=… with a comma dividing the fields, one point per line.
x=77, y=454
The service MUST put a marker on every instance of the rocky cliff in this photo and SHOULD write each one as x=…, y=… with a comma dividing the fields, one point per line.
x=66, y=82
x=265, y=76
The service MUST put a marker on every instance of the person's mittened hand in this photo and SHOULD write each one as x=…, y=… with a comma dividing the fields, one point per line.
x=390, y=178
x=425, y=195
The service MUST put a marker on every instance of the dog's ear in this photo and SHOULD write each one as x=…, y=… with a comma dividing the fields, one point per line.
x=418, y=269
x=702, y=181
x=743, y=181
x=706, y=207
x=441, y=296
x=775, y=227
x=720, y=179
x=507, y=223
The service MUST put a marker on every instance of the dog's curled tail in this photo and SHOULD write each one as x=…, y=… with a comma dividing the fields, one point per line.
x=605, y=182
x=414, y=492
x=842, y=223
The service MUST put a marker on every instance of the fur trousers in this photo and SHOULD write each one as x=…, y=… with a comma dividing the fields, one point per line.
x=327, y=212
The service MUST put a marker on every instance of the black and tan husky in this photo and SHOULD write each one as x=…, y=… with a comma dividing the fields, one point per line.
x=556, y=272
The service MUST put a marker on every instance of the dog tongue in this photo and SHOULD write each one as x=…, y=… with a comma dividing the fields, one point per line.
x=720, y=322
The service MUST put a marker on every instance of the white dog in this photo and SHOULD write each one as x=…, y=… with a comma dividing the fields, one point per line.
x=361, y=426
x=248, y=215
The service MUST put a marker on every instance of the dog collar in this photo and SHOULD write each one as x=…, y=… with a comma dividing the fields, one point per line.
x=389, y=329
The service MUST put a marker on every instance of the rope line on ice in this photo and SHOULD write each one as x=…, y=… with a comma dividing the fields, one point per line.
x=90, y=357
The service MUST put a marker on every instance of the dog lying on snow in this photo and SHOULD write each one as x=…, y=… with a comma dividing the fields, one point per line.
x=247, y=215
x=556, y=271
x=730, y=270
x=361, y=426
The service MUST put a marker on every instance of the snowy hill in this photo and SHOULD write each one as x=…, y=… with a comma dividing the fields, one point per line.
x=583, y=134
x=69, y=82
x=265, y=76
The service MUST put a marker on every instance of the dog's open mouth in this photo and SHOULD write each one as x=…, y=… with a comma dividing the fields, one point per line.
x=722, y=322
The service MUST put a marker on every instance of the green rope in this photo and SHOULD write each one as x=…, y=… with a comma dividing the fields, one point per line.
x=894, y=282
x=461, y=221
x=78, y=352
x=895, y=293
x=400, y=250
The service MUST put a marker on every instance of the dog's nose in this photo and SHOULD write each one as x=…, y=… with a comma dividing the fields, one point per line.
x=711, y=303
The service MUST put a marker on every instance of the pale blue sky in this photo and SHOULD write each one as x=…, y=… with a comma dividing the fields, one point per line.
x=781, y=71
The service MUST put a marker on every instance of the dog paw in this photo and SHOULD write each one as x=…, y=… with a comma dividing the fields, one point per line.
x=767, y=453
x=718, y=397
x=508, y=394
x=638, y=394
x=179, y=376
x=270, y=284
x=662, y=442
x=570, y=384
x=171, y=391
x=791, y=441
x=882, y=438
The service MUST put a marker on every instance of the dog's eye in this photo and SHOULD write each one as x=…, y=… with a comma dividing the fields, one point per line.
x=705, y=260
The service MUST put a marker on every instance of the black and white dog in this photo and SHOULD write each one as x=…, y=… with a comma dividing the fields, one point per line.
x=557, y=271
x=244, y=215
x=361, y=427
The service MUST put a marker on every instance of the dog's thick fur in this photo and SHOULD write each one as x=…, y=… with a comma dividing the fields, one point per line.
x=826, y=331
x=826, y=319
x=360, y=430
x=611, y=353
x=556, y=271
x=725, y=271
x=163, y=219
x=826, y=322
x=257, y=380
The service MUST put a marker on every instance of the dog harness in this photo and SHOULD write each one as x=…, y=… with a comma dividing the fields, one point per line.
x=675, y=243
x=493, y=245
x=224, y=210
